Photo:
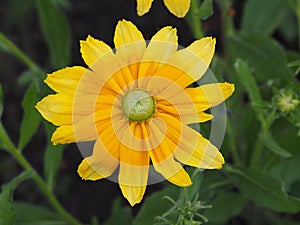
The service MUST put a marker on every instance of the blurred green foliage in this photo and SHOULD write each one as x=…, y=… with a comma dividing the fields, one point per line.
x=260, y=183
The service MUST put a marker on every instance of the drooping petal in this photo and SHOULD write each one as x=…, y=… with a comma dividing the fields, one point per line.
x=93, y=49
x=143, y=6
x=162, y=45
x=163, y=161
x=192, y=149
x=189, y=65
x=134, y=165
x=102, y=163
x=133, y=174
x=178, y=7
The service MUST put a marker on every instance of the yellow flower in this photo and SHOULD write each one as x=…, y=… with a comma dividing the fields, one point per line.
x=178, y=7
x=133, y=102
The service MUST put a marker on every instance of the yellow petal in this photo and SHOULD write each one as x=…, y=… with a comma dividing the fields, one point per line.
x=133, y=174
x=143, y=6
x=93, y=49
x=189, y=65
x=192, y=149
x=134, y=194
x=64, y=135
x=178, y=7
x=57, y=109
x=186, y=114
x=85, y=129
x=164, y=163
x=199, y=117
x=129, y=42
x=102, y=163
x=162, y=45
x=65, y=80
x=209, y=95
x=171, y=170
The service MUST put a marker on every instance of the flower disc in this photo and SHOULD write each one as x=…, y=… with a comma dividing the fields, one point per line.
x=138, y=105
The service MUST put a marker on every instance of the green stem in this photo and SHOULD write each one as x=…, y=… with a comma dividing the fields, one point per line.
x=259, y=145
x=10, y=147
x=194, y=20
x=232, y=143
x=12, y=48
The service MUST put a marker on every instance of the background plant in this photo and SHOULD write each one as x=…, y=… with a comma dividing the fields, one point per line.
x=257, y=49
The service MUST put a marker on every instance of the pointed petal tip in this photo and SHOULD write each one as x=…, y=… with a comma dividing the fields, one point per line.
x=133, y=194
x=86, y=172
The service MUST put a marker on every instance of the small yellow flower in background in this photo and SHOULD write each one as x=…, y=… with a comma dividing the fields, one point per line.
x=177, y=7
x=135, y=104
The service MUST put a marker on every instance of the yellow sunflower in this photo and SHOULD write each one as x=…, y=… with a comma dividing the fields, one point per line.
x=135, y=104
x=177, y=7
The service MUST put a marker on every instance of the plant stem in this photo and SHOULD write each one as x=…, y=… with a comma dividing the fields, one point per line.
x=194, y=21
x=232, y=143
x=13, y=49
x=258, y=148
x=10, y=147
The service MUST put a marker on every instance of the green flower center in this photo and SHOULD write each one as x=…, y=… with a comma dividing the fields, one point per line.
x=138, y=105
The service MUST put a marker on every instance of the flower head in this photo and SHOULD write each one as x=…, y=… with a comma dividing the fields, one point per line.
x=287, y=101
x=177, y=7
x=135, y=104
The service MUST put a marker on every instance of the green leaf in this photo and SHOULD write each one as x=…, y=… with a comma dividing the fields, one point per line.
x=150, y=207
x=52, y=158
x=272, y=145
x=56, y=32
x=29, y=214
x=225, y=207
x=265, y=190
x=263, y=54
x=1, y=100
x=287, y=170
x=119, y=215
x=7, y=212
x=31, y=76
x=263, y=16
x=206, y=9
x=31, y=118
x=294, y=61
x=248, y=81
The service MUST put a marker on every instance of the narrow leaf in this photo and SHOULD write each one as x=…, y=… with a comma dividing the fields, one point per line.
x=56, y=31
x=29, y=214
x=206, y=9
x=225, y=207
x=263, y=54
x=272, y=145
x=7, y=212
x=31, y=118
x=265, y=190
x=248, y=81
x=259, y=16
x=52, y=158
